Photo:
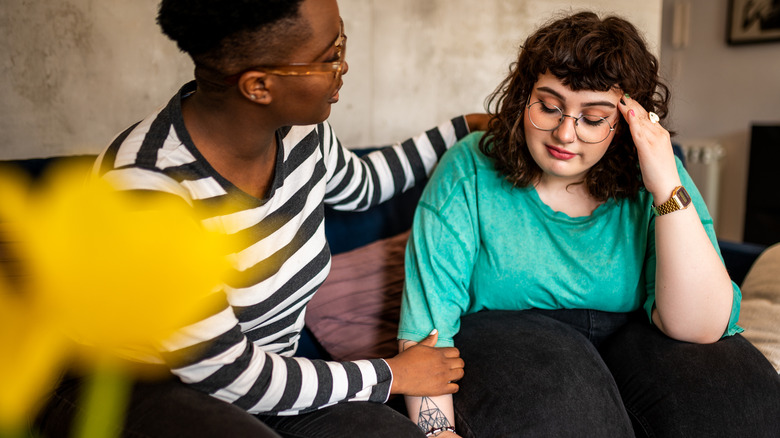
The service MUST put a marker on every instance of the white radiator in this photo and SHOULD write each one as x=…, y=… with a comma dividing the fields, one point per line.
x=703, y=161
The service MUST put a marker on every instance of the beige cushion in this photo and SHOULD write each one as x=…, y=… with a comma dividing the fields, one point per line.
x=760, y=311
x=355, y=313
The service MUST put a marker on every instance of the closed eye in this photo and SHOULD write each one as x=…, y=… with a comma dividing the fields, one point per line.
x=549, y=109
x=593, y=120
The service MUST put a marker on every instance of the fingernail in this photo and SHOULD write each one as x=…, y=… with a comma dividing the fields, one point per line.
x=631, y=113
x=627, y=96
x=433, y=332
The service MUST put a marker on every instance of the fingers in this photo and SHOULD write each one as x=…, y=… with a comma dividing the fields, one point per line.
x=636, y=115
x=645, y=127
x=450, y=388
x=424, y=370
x=431, y=340
x=457, y=373
x=653, y=146
x=631, y=111
x=450, y=352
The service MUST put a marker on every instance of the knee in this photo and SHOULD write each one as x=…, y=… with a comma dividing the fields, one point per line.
x=546, y=381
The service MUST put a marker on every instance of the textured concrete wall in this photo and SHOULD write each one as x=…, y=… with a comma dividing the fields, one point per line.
x=78, y=71
x=418, y=62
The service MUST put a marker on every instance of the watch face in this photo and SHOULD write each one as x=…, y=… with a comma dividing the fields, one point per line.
x=683, y=196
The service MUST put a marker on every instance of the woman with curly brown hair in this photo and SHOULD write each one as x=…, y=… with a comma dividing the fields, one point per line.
x=568, y=255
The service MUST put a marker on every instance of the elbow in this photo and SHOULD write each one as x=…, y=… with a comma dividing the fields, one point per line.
x=691, y=332
x=695, y=336
x=699, y=338
x=700, y=322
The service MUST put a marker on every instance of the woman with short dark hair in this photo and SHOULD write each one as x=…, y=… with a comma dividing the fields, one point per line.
x=247, y=145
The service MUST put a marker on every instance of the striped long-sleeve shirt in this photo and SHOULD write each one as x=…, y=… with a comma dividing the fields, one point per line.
x=243, y=354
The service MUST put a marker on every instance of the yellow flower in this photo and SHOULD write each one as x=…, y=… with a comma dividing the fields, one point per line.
x=102, y=270
x=33, y=353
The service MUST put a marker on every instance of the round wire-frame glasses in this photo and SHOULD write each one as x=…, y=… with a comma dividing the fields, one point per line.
x=305, y=68
x=547, y=117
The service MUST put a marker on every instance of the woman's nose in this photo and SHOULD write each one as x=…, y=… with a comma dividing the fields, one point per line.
x=566, y=131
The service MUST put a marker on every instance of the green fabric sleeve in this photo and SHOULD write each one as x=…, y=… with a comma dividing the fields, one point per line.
x=441, y=253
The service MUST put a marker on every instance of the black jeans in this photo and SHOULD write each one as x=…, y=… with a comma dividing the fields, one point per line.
x=171, y=409
x=567, y=373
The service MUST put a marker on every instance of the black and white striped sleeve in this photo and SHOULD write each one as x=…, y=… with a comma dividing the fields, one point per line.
x=355, y=183
x=237, y=371
x=237, y=354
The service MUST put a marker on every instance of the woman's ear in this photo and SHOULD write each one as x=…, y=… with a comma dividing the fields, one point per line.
x=255, y=86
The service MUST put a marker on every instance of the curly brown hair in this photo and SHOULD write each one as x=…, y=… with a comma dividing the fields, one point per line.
x=585, y=53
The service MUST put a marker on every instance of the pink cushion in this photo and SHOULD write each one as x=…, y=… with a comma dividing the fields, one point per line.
x=355, y=313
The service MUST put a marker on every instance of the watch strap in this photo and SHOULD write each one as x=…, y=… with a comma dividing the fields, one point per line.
x=679, y=200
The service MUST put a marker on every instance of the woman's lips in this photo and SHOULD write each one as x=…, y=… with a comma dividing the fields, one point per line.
x=560, y=154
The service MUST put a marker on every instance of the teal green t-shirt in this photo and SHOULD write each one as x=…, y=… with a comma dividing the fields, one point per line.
x=479, y=243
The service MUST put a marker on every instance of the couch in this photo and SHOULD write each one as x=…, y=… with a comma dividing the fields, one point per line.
x=354, y=315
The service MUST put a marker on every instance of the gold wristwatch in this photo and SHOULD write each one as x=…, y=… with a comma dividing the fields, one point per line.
x=680, y=200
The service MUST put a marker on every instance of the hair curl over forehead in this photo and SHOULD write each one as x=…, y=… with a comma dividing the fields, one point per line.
x=586, y=53
x=224, y=34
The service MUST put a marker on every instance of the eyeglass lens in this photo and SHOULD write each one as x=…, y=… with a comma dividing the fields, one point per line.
x=589, y=128
x=341, y=48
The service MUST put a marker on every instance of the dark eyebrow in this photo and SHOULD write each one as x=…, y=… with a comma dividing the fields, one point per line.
x=585, y=105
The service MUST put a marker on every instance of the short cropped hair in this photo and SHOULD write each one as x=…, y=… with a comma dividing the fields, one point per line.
x=585, y=53
x=230, y=35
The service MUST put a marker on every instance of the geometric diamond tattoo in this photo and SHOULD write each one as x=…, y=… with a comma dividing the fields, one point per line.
x=431, y=417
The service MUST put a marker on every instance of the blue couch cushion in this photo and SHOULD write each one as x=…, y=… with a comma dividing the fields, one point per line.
x=347, y=230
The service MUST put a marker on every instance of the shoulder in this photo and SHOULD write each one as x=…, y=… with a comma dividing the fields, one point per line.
x=457, y=171
x=465, y=156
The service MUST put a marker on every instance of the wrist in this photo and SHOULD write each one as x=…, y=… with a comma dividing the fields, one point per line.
x=661, y=191
x=678, y=200
x=436, y=431
x=394, y=381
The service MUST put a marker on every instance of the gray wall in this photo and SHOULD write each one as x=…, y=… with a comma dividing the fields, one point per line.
x=418, y=62
x=717, y=92
x=78, y=71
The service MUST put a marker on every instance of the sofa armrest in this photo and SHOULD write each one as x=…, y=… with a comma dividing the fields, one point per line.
x=739, y=257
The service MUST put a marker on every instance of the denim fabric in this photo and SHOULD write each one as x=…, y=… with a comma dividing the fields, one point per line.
x=158, y=409
x=354, y=419
x=536, y=373
x=584, y=373
x=171, y=409
x=530, y=375
x=673, y=388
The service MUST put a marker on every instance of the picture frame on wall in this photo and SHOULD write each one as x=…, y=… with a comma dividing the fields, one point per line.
x=753, y=21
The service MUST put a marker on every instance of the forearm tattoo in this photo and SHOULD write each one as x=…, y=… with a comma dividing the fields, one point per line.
x=431, y=417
